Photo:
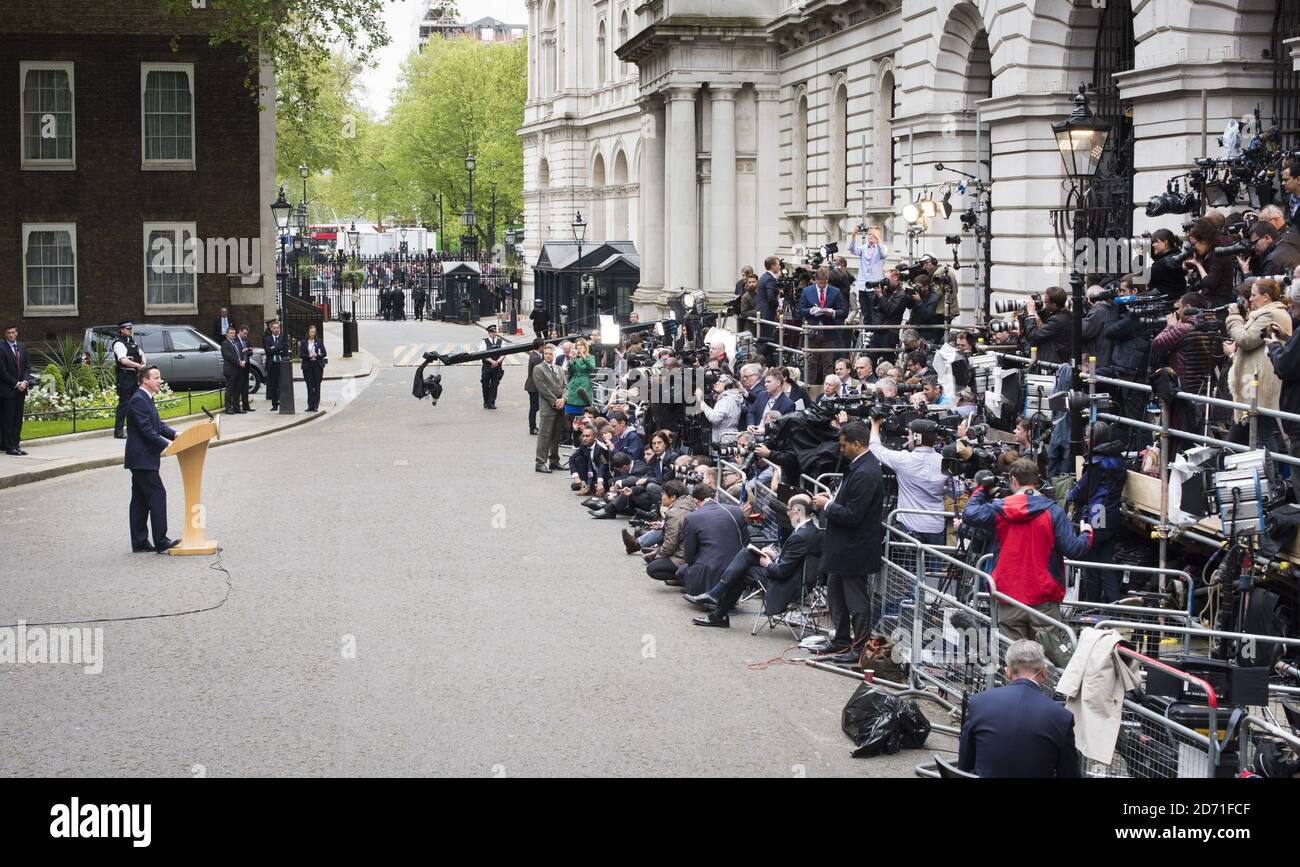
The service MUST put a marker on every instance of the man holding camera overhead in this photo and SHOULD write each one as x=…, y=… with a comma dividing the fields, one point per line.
x=871, y=269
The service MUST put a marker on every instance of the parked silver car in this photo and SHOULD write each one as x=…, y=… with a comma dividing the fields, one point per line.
x=185, y=357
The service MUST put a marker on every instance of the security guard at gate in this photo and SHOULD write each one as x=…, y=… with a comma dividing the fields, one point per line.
x=129, y=360
x=492, y=369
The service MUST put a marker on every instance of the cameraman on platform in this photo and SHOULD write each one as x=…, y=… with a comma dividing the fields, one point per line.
x=1033, y=536
x=871, y=269
x=1049, y=332
x=921, y=480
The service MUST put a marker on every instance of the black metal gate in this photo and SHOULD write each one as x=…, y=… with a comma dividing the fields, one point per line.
x=1286, y=81
x=1110, y=197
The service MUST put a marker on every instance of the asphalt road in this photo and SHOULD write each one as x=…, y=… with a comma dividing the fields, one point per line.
x=407, y=597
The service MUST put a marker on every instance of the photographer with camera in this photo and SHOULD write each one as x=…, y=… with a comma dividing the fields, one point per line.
x=1290, y=178
x=725, y=409
x=1271, y=257
x=1096, y=499
x=923, y=301
x=1286, y=233
x=1050, y=331
x=891, y=304
x=871, y=269
x=1252, y=373
x=1285, y=358
x=1167, y=273
x=1033, y=536
x=1192, y=352
x=1215, y=274
x=921, y=480
x=1101, y=312
x=1130, y=351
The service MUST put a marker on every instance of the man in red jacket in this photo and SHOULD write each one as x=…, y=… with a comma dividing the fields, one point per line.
x=1033, y=535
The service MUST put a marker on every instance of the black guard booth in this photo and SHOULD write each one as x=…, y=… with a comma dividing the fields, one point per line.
x=614, y=269
x=461, y=281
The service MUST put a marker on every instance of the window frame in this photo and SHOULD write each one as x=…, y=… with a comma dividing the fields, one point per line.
x=38, y=164
x=172, y=226
x=51, y=311
x=160, y=165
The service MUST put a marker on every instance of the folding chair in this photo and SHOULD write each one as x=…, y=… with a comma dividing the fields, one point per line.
x=803, y=615
x=949, y=771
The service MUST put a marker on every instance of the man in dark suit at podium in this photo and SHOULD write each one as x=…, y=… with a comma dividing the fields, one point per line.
x=146, y=438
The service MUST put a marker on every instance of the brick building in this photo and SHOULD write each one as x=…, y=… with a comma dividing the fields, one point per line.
x=127, y=153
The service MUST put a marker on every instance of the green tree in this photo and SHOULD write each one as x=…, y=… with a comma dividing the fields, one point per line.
x=458, y=97
x=320, y=125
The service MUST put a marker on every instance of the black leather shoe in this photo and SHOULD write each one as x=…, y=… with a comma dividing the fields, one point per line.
x=20, y=451
x=711, y=620
x=630, y=543
x=140, y=549
x=556, y=466
x=13, y=452
x=603, y=514
x=702, y=600
x=119, y=434
x=847, y=657
x=166, y=546
x=533, y=432
x=673, y=582
x=595, y=503
x=542, y=468
x=250, y=409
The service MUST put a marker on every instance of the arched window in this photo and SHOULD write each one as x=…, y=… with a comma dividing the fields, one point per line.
x=602, y=56
x=550, y=52
x=799, y=153
x=543, y=200
x=622, y=39
x=837, y=183
x=883, y=153
x=597, y=222
x=619, y=229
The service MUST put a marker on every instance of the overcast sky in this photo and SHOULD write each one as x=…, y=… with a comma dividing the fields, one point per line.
x=402, y=18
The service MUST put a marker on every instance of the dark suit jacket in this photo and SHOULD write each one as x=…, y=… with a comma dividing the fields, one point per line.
x=12, y=370
x=711, y=537
x=277, y=348
x=1017, y=731
x=321, y=357
x=146, y=435
x=834, y=301
x=230, y=359
x=534, y=359
x=788, y=572
x=782, y=404
x=630, y=444
x=767, y=296
x=853, y=521
x=589, y=459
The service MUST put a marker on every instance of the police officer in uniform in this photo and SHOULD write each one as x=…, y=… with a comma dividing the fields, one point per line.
x=129, y=361
x=492, y=368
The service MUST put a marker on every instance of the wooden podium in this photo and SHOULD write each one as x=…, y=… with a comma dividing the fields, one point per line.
x=190, y=448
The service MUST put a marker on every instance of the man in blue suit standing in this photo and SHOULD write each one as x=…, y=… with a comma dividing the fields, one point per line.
x=822, y=304
x=1016, y=730
x=768, y=295
x=146, y=437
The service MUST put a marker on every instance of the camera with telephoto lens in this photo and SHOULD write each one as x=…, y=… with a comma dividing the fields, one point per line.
x=994, y=485
x=1016, y=307
x=693, y=476
x=911, y=270
x=1241, y=248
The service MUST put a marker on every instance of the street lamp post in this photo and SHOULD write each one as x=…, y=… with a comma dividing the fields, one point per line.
x=468, y=217
x=1081, y=139
x=579, y=235
x=300, y=245
x=280, y=210
x=438, y=198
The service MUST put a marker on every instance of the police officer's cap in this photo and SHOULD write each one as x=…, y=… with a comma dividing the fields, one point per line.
x=126, y=324
x=491, y=328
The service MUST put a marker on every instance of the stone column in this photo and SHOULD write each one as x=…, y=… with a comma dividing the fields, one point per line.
x=683, y=253
x=768, y=169
x=722, y=217
x=652, y=199
x=533, y=62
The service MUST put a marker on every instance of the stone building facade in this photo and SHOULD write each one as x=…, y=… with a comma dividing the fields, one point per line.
x=716, y=132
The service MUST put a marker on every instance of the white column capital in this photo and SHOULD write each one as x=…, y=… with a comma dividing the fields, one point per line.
x=682, y=94
x=719, y=92
x=767, y=92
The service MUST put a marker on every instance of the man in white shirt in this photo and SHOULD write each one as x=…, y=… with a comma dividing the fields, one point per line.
x=921, y=480
x=871, y=270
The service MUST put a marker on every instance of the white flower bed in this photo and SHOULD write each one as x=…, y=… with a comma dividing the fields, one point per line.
x=45, y=399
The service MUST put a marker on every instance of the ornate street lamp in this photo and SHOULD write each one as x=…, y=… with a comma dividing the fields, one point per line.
x=280, y=211
x=468, y=217
x=579, y=227
x=1081, y=139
